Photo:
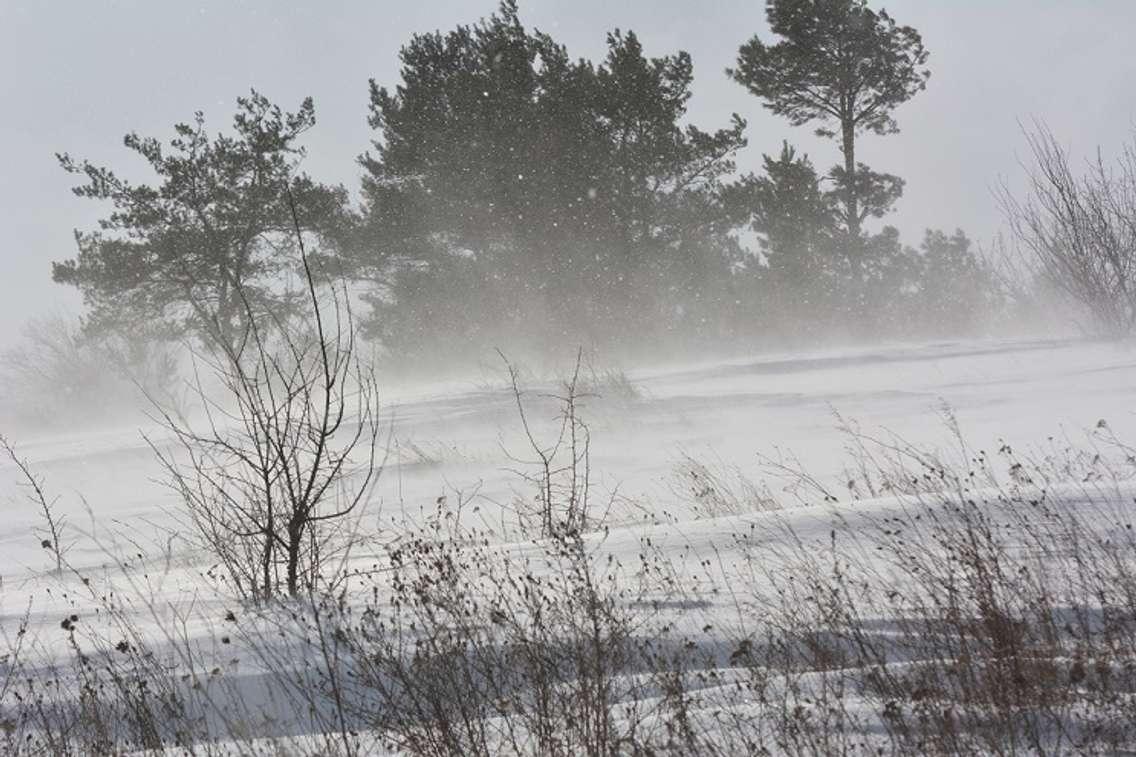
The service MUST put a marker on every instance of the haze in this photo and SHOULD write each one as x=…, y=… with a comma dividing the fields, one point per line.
x=562, y=423
x=77, y=76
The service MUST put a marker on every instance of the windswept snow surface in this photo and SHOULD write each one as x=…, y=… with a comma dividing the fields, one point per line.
x=464, y=440
x=465, y=434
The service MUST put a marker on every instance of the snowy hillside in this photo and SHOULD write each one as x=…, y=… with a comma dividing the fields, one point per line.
x=908, y=547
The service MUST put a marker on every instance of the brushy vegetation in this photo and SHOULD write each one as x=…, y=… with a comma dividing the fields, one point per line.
x=268, y=481
x=985, y=602
x=58, y=376
x=1078, y=225
x=934, y=602
x=714, y=489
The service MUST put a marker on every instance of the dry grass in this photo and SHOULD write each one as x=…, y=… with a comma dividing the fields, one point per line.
x=987, y=604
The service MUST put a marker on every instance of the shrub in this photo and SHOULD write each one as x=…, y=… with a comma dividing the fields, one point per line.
x=1081, y=229
x=59, y=375
x=268, y=481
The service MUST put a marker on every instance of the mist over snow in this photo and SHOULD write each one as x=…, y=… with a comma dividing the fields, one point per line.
x=994, y=65
x=438, y=378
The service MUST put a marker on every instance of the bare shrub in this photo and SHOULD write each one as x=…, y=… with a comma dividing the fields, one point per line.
x=132, y=676
x=269, y=481
x=12, y=673
x=467, y=649
x=606, y=382
x=965, y=603
x=109, y=688
x=558, y=471
x=1081, y=228
x=57, y=374
x=714, y=489
x=989, y=609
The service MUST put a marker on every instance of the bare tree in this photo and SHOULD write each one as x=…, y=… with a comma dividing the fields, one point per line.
x=53, y=523
x=560, y=470
x=1081, y=228
x=57, y=373
x=287, y=453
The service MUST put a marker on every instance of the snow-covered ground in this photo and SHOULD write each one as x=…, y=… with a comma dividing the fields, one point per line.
x=464, y=434
x=464, y=441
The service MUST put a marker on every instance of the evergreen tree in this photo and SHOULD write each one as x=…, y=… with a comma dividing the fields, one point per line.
x=800, y=277
x=838, y=61
x=958, y=288
x=567, y=186
x=186, y=254
x=793, y=215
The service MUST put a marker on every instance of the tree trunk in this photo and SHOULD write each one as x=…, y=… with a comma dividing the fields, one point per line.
x=266, y=557
x=226, y=316
x=295, y=539
x=851, y=200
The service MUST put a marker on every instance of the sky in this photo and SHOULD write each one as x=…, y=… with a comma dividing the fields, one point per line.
x=76, y=75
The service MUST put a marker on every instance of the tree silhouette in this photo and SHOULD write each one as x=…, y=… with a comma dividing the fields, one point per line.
x=512, y=181
x=209, y=244
x=838, y=61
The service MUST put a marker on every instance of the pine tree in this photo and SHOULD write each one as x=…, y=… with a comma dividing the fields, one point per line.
x=557, y=186
x=186, y=255
x=838, y=61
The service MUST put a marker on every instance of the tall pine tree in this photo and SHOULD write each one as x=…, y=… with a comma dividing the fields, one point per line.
x=846, y=67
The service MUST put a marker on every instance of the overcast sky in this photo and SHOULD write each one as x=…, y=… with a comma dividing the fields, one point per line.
x=77, y=75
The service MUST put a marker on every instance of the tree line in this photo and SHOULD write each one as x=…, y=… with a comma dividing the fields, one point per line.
x=515, y=194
